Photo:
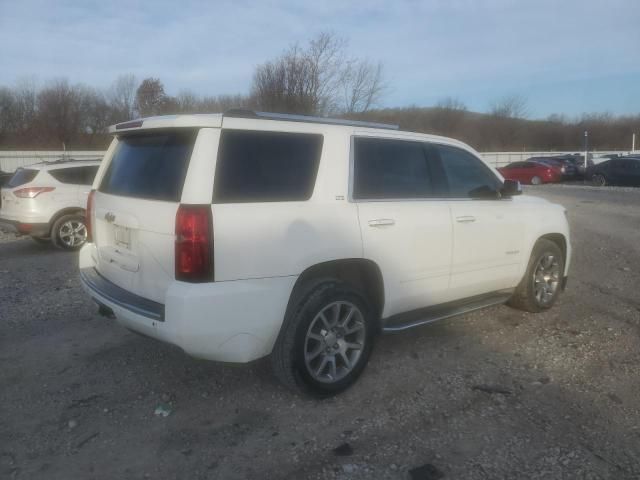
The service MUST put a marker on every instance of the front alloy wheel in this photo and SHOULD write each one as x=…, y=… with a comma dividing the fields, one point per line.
x=540, y=286
x=546, y=279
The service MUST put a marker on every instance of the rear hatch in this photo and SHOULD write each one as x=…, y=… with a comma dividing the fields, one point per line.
x=135, y=210
x=12, y=206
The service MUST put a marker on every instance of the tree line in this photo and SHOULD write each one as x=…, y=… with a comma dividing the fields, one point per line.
x=318, y=78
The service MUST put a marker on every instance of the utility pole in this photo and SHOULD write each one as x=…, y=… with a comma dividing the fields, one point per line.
x=633, y=143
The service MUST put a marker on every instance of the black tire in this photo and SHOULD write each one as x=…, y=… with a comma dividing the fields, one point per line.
x=59, y=232
x=598, y=180
x=288, y=355
x=524, y=298
x=536, y=180
x=41, y=240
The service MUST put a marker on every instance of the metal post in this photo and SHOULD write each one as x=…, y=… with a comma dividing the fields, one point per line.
x=586, y=152
x=633, y=143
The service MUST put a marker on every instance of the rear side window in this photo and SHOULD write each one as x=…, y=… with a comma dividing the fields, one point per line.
x=467, y=176
x=151, y=166
x=266, y=166
x=75, y=175
x=390, y=169
x=22, y=176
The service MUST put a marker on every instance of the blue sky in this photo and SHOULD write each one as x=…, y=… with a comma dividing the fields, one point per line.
x=570, y=56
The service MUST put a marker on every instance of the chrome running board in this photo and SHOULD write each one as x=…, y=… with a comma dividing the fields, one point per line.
x=416, y=318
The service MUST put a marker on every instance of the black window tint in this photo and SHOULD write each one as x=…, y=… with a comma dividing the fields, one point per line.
x=266, y=166
x=468, y=177
x=390, y=169
x=22, y=176
x=75, y=175
x=150, y=165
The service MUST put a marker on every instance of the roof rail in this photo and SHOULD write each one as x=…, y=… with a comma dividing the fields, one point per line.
x=285, y=117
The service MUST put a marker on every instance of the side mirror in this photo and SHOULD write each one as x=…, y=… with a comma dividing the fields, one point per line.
x=511, y=188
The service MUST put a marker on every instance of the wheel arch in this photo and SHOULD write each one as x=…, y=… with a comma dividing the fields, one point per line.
x=61, y=213
x=364, y=274
x=559, y=239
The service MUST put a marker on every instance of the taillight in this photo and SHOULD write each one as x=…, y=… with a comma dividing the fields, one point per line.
x=194, y=244
x=88, y=221
x=32, y=192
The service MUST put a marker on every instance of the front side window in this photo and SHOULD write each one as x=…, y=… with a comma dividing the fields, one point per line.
x=468, y=176
x=257, y=166
x=390, y=169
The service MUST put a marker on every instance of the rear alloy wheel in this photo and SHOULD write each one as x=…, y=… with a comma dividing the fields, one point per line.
x=69, y=232
x=598, y=180
x=536, y=180
x=540, y=286
x=326, y=341
x=334, y=342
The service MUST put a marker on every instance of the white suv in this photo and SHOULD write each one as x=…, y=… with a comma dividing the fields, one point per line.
x=246, y=234
x=47, y=201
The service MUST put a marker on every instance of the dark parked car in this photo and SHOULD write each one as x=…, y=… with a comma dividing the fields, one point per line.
x=577, y=161
x=533, y=173
x=624, y=171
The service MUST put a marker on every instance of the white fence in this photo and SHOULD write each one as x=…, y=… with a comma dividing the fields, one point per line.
x=499, y=159
x=10, y=160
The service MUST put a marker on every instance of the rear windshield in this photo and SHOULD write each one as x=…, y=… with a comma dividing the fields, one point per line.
x=151, y=166
x=22, y=176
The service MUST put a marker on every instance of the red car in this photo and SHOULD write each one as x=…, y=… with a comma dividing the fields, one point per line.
x=532, y=173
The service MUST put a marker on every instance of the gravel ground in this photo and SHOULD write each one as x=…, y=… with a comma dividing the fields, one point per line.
x=490, y=395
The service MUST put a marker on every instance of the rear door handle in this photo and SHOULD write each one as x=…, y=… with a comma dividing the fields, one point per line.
x=380, y=222
x=466, y=219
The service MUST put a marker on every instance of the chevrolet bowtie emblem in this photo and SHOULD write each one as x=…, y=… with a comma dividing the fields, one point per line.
x=109, y=217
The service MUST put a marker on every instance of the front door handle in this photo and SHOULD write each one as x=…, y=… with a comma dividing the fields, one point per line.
x=380, y=222
x=466, y=219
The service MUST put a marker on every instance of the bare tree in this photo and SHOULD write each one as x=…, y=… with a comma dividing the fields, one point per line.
x=222, y=103
x=150, y=97
x=25, y=93
x=318, y=79
x=362, y=84
x=122, y=96
x=7, y=111
x=60, y=112
x=448, y=116
x=451, y=103
x=97, y=114
x=187, y=102
x=510, y=106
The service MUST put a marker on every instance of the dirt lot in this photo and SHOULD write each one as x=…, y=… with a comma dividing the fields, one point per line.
x=78, y=393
